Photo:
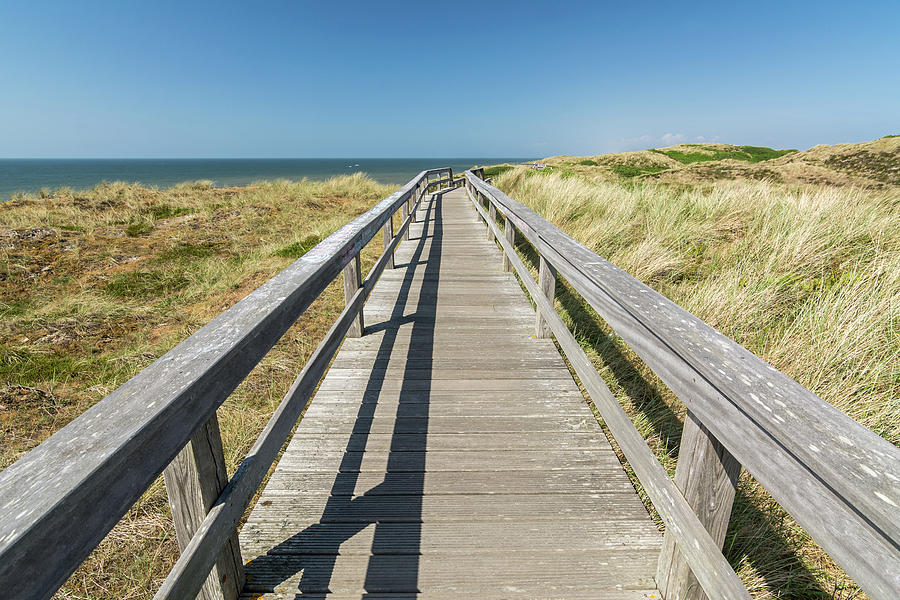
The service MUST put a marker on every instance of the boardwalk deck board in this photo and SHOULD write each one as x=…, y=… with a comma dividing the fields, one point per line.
x=448, y=452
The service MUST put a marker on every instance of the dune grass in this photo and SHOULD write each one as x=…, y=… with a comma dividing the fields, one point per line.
x=96, y=284
x=807, y=278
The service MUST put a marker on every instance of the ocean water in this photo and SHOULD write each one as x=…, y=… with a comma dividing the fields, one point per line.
x=30, y=175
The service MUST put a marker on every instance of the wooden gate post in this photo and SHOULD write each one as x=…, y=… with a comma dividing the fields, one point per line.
x=352, y=282
x=547, y=281
x=509, y=232
x=194, y=480
x=707, y=475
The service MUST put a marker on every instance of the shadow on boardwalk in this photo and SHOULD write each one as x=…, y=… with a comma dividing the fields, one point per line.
x=756, y=534
x=346, y=515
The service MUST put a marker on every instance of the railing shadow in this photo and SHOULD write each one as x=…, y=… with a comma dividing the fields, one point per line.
x=771, y=556
x=394, y=506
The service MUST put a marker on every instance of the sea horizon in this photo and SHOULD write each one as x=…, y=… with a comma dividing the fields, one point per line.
x=31, y=175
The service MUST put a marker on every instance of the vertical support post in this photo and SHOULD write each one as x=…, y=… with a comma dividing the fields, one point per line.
x=411, y=202
x=492, y=211
x=194, y=480
x=509, y=232
x=387, y=234
x=404, y=212
x=707, y=475
x=547, y=281
x=352, y=282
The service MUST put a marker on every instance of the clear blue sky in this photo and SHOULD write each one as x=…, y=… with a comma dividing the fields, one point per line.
x=404, y=79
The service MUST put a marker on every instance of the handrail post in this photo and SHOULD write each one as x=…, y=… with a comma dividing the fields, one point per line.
x=509, y=232
x=707, y=475
x=492, y=211
x=387, y=234
x=194, y=480
x=404, y=212
x=547, y=281
x=352, y=282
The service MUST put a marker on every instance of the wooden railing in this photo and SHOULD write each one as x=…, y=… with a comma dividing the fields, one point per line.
x=839, y=480
x=60, y=500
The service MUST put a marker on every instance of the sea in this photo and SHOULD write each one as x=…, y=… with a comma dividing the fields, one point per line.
x=29, y=176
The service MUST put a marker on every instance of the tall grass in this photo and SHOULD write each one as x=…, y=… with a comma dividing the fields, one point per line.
x=807, y=278
x=87, y=299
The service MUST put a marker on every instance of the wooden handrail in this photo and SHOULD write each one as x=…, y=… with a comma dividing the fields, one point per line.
x=61, y=498
x=839, y=480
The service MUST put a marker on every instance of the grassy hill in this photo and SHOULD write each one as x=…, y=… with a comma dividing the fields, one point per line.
x=796, y=255
x=874, y=164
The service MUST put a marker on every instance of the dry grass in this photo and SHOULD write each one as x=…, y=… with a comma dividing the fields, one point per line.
x=95, y=285
x=807, y=278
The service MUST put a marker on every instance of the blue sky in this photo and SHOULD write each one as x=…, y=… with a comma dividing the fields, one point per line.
x=410, y=79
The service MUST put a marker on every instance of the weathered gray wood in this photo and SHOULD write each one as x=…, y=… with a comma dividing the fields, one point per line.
x=707, y=475
x=795, y=444
x=404, y=212
x=493, y=216
x=509, y=232
x=547, y=283
x=194, y=480
x=189, y=573
x=106, y=458
x=712, y=570
x=352, y=282
x=448, y=416
x=387, y=233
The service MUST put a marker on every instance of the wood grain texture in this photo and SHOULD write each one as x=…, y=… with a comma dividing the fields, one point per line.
x=547, y=283
x=194, y=481
x=712, y=570
x=190, y=571
x=509, y=232
x=78, y=483
x=352, y=282
x=707, y=475
x=794, y=443
x=449, y=450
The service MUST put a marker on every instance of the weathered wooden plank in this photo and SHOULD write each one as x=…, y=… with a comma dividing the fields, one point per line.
x=485, y=594
x=707, y=475
x=192, y=568
x=795, y=444
x=370, y=452
x=194, y=480
x=611, y=480
x=712, y=570
x=417, y=461
x=400, y=424
x=449, y=538
x=352, y=282
x=102, y=461
x=458, y=442
x=596, y=570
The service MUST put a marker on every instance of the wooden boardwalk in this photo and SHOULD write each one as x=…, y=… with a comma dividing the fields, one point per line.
x=448, y=452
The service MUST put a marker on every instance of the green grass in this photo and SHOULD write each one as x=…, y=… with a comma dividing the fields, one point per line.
x=629, y=171
x=145, y=284
x=189, y=251
x=165, y=211
x=298, y=249
x=588, y=163
x=750, y=154
x=496, y=170
x=138, y=229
